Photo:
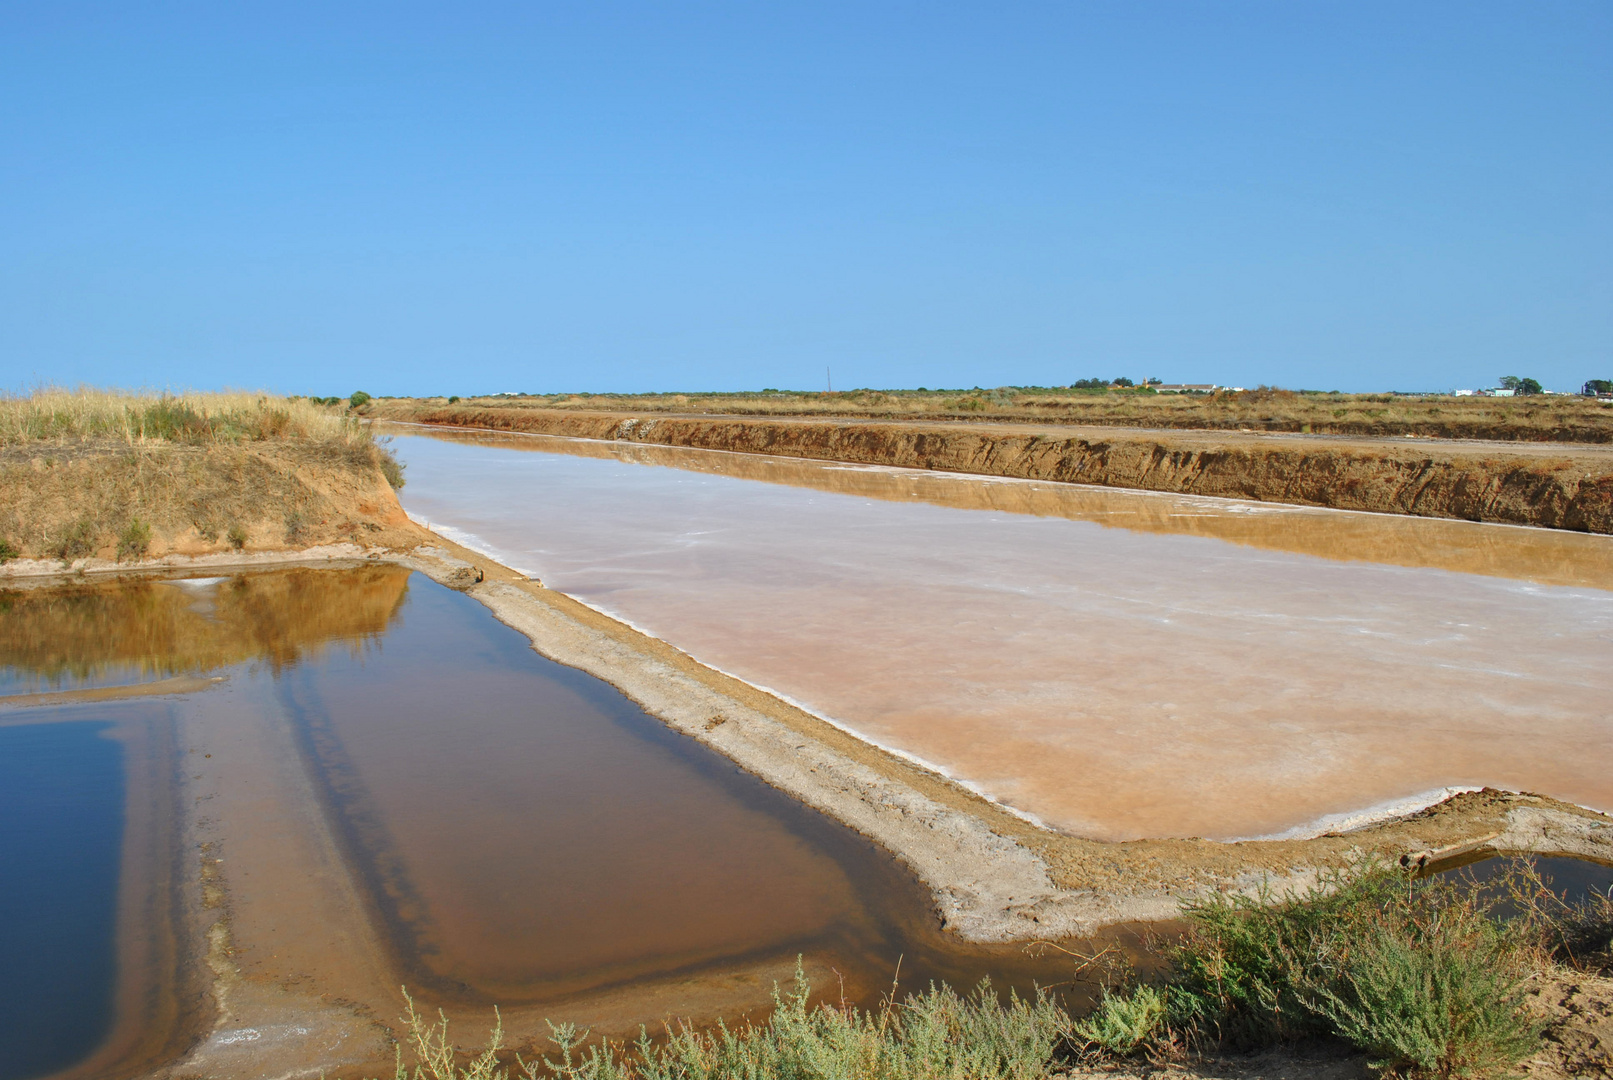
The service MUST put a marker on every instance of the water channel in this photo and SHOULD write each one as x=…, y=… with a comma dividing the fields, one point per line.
x=1114, y=664
x=371, y=781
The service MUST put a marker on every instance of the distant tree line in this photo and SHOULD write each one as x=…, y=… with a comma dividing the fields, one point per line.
x=1521, y=387
x=1104, y=384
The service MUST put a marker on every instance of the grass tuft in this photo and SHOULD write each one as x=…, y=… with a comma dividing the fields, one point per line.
x=1425, y=976
x=1124, y=1024
x=928, y=1036
x=134, y=540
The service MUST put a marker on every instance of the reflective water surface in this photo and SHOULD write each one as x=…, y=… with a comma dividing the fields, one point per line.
x=61, y=839
x=389, y=786
x=1117, y=664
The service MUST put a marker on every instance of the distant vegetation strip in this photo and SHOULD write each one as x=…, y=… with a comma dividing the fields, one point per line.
x=1559, y=489
x=1530, y=418
x=1429, y=979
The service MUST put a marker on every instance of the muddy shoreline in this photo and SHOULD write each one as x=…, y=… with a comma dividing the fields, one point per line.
x=1560, y=486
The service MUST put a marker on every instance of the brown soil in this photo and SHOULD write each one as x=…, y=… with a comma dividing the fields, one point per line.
x=1552, y=485
x=89, y=500
x=1577, y=1008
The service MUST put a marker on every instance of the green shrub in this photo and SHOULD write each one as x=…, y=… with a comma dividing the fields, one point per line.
x=453, y=399
x=391, y=467
x=236, y=536
x=135, y=540
x=357, y=399
x=1123, y=1024
x=1422, y=975
x=1445, y=1004
x=7, y=552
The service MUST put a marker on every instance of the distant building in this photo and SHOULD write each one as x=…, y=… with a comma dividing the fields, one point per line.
x=1185, y=388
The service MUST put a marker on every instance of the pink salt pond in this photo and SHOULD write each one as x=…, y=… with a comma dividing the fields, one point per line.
x=1114, y=664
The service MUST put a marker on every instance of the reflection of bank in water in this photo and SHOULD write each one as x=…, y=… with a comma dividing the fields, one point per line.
x=99, y=634
x=431, y=802
x=99, y=974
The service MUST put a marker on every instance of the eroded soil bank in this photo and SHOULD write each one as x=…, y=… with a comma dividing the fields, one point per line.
x=1552, y=485
x=106, y=500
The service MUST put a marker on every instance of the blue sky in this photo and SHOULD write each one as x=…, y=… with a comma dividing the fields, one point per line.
x=464, y=198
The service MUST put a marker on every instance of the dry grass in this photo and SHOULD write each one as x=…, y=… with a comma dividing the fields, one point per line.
x=109, y=474
x=1543, y=418
x=55, y=415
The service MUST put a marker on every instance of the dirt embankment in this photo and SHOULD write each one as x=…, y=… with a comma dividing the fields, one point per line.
x=1535, y=418
x=110, y=500
x=1555, y=486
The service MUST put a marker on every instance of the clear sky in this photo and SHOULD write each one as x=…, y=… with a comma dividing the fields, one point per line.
x=474, y=197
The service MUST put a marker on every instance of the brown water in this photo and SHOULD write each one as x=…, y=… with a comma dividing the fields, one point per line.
x=390, y=786
x=1117, y=664
x=533, y=833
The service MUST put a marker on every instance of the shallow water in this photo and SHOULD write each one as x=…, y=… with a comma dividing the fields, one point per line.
x=1574, y=879
x=61, y=838
x=532, y=833
x=1116, y=664
x=508, y=830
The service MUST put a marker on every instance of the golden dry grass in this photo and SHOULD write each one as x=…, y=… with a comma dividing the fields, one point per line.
x=54, y=414
x=93, y=473
x=1542, y=418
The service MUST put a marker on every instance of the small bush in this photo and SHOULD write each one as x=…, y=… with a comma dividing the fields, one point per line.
x=236, y=536
x=391, y=467
x=79, y=542
x=296, y=528
x=7, y=552
x=135, y=540
x=453, y=399
x=1422, y=975
x=1445, y=1003
x=357, y=399
x=1123, y=1024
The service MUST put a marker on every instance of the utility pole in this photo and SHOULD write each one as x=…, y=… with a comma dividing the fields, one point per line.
x=827, y=381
